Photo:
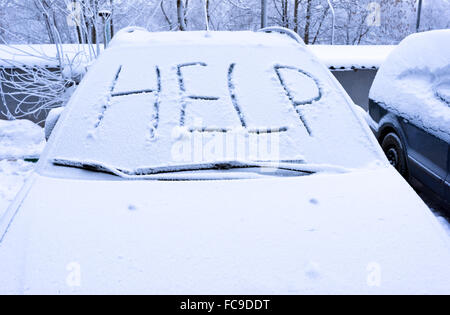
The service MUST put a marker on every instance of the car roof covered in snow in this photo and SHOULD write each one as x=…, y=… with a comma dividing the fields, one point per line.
x=414, y=82
x=136, y=36
x=351, y=57
x=46, y=55
x=150, y=95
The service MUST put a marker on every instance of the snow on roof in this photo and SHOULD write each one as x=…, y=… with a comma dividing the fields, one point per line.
x=335, y=57
x=352, y=57
x=43, y=55
x=414, y=82
x=170, y=89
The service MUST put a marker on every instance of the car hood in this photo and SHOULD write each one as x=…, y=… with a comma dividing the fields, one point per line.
x=363, y=232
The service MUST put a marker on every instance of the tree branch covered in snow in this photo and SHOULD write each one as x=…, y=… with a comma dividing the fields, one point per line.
x=36, y=80
x=49, y=21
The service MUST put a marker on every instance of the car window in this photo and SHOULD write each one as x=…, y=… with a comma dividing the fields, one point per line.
x=147, y=107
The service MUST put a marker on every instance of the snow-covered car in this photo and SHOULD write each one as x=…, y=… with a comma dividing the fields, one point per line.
x=410, y=107
x=217, y=163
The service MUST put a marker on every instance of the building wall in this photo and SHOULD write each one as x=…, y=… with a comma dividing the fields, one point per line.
x=357, y=83
x=12, y=97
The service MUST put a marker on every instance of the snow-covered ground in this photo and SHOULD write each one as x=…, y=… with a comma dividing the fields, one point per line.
x=442, y=215
x=19, y=140
x=12, y=177
x=445, y=223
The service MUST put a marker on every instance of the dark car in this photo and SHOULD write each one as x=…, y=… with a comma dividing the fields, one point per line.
x=410, y=108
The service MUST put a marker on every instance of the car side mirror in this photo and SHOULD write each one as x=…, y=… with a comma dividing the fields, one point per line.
x=52, y=119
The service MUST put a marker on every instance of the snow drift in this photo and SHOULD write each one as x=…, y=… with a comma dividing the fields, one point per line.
x=20, y=139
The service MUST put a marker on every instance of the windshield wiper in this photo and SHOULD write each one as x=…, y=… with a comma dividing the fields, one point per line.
x=150, y=172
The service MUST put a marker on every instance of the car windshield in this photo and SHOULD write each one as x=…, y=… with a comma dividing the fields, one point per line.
x=181, y=104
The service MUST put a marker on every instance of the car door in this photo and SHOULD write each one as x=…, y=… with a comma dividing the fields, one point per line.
x=428, y=157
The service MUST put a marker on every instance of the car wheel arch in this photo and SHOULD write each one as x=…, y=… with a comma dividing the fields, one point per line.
x=390, y=123
x=385, y=131
x=388, y=126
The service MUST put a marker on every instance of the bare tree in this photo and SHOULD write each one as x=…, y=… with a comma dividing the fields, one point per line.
x=44, y=7
x=296, y=21
x=208, y=16
x=308, y=21
x=285, y=10
x=319, y=28
x=181, y=15
x=36, y=87
x=165, y=15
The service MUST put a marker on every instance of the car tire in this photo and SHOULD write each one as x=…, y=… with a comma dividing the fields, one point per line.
x=394, y=150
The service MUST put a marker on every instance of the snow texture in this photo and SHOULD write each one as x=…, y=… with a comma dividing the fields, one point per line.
x=445, y=223
x=301, y=235
x=12, y=177
x=19, y=139
x=414, y=82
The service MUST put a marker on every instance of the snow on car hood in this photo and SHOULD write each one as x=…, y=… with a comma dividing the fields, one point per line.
x=363, y=232
x=414, y=82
